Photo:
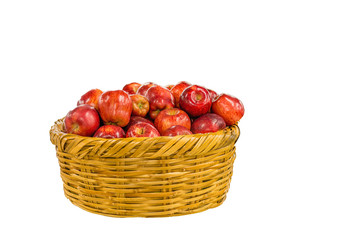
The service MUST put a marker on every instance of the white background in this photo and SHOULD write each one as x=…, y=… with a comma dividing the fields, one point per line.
x=294, y=64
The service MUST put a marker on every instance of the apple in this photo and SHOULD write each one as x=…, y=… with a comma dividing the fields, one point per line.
x=159, y=98
x=170, y=117
x=140, y=105
x=170, y=86
x=195, y=100
x=144, y=88
x=83, y=120
x=131, y=88
x=177, y=90
x=176, y=130
x=209, y=122
x=136, y=119
x=229, y=108
x=142, y=129
x=91, y=98
x=109, y=131
x=115, y=107
x=213, y=94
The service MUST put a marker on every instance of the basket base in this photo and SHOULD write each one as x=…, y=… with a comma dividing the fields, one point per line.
x=149, y=215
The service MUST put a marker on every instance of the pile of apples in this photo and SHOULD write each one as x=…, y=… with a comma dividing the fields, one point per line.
x=150, y=110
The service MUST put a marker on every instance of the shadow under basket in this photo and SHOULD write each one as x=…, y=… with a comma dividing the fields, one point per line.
x=146, y=177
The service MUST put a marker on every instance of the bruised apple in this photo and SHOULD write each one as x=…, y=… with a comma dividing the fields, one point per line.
x=109, y=131
x=195, y=100
x=83, y=120
x=131, y=88
x=91, y=98
x=115, y=107
x=177, y=90
x=176, y=130
x=170, y=117
x=209, y=122
x=142, y=129
x=140, y=105
x=159, y=98
x=229, y=108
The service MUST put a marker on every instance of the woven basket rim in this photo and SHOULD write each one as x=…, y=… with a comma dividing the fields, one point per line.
x=55, y=130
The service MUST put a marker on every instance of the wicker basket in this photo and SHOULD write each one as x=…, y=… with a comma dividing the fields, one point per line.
x=146, y=177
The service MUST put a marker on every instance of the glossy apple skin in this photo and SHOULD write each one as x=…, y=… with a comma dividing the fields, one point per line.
x=136, y=119
x=83, y=120
x=131, y=88
x=140, y=105
x=170, y=117
x=91, y=98
x=213, y=94
x=177, y=90
x=159, y=98
x=230, y=108
x=142, y=90
x=176, y=130
x=115, y=107
x=109, y=131
x=195, y=100
x=142, y=129
x=209, y=122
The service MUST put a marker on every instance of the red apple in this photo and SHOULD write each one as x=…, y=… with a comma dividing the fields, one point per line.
x=195, y=100
x=83, y=120
x=209, y=122
x=176, y=130
x=115, y=107
x=131, y=88
x=109, y=131
x=137, y=119
x=91, y=98
x=170, y=86
x=229, y=108
x=140, y=105
x=213, y=94
x=177, y=90
x=144, y=88
x=170, y=117
x=159, y=98
x=141, y=129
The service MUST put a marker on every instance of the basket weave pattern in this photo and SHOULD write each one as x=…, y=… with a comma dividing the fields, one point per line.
x=146, y=177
